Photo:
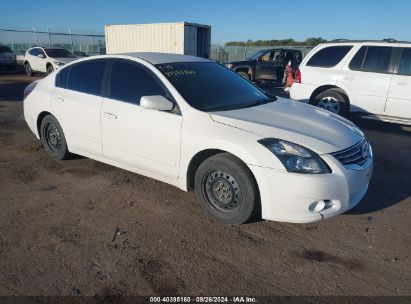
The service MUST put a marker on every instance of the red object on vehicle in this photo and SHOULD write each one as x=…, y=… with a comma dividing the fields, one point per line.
x=290, y=78
x=298, y=76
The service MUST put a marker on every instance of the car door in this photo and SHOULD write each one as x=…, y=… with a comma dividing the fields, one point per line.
x=147, y=139
x=77, y=103
x=367, y=78
x=399, y=95
x=268, y=65
x=41, y=61
x=34, y=59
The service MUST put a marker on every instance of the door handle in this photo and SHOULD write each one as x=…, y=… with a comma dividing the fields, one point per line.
x=110, y=115
x=401, y=83
x=59, y=99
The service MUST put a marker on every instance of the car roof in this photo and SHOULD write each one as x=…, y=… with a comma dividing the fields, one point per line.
x=160, y=58
x=378, y=42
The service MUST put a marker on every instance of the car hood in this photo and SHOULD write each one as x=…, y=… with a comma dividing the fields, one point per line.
x=321, y=131
x=64, y=59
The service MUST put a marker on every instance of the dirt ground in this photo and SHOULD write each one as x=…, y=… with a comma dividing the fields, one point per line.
x=58, y=221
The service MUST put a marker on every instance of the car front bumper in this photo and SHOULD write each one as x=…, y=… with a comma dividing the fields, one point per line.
x=292, y=197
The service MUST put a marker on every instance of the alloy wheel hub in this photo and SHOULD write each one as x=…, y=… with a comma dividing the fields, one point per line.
x=330, y=103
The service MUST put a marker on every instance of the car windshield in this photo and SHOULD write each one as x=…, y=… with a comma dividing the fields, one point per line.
x=209, y=86
x=59, y=53
x=258, y=54
x=5, y=49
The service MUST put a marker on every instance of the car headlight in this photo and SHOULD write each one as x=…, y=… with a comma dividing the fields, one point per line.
x=295, y=158
x=229, y=65
x=59, y=63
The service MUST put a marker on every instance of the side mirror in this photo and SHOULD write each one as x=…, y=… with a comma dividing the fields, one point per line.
x=41, y=56
x=259, y=59
x=156, y=102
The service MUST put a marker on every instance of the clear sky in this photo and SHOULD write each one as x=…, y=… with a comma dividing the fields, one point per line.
x=230, y=20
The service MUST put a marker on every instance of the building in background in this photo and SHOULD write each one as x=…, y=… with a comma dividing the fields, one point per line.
x=179, y=38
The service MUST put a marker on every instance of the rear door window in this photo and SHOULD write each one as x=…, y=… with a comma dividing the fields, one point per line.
x=87, y=77
x=358, y=59
x=130, y=81
x=405, y=62
x=329, y=56
x=292, y=55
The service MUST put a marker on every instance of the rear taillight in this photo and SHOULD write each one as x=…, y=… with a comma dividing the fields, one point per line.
x=29, y=89
x=297, y=76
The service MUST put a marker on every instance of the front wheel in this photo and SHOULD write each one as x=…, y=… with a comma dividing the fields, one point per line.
x=29, y=71
x=53, y=139
x=227, y=189
x=332, y=101
x=50, y=69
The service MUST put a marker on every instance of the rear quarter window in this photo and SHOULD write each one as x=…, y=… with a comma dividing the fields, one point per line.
x=405, y=62
x=62, y=78
x=329, y=56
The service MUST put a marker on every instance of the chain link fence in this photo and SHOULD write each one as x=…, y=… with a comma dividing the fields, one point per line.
x=20, y=41
x=92, y=43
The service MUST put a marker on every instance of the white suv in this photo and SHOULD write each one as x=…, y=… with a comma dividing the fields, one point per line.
x=46, y=60
x=371, y=77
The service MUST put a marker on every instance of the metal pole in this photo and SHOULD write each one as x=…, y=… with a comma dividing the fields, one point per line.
x=92, y=47
x=35, y=35
x=245, y=52
x=48, y=30
x=72, y=43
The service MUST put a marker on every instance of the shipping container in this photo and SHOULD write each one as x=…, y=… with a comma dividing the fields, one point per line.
x=179, y=38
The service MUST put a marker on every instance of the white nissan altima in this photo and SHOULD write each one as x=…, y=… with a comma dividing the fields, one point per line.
x=197, y=125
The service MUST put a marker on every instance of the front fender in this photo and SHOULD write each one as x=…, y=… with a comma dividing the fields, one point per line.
x=206, y=134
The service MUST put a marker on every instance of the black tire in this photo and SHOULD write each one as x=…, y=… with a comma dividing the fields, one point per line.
x=29, y=71
x=245, y=75
x=332, y=101
x=53, y=139
x=227, y=189
x=50, y=69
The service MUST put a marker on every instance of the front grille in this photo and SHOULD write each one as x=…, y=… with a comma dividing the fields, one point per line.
x=355, y=155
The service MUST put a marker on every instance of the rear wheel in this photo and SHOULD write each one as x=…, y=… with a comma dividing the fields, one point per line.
x=332, y=101
x=227, y=190
x=29, y=71
x=53, y=139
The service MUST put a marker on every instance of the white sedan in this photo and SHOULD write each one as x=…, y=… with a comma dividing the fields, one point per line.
x=197, y=125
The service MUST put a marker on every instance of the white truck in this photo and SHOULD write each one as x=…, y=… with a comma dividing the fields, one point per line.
x=179, y=38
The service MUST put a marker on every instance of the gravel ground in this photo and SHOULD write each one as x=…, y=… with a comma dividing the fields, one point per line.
x=80, y=227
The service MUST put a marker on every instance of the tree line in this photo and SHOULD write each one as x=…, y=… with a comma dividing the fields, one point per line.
x=309, y=42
